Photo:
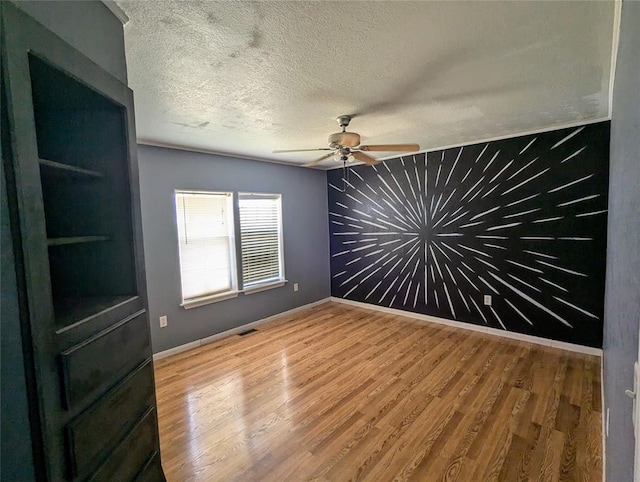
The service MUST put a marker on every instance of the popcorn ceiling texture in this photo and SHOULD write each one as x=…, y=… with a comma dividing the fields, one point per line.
x=249, y=77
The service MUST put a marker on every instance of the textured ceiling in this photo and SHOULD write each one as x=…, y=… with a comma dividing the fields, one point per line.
x=246, y=78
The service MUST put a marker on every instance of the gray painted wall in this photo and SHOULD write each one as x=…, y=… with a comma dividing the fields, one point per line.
x=87, y=25
x=92, y=29
x=622, y=297
x=306, y=239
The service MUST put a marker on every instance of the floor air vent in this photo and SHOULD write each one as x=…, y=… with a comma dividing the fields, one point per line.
x=252, y=330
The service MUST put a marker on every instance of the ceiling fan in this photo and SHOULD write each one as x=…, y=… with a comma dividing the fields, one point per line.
x=346, y=145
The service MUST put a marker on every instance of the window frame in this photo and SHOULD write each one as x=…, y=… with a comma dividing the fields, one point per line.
x=270, y=284
x=233, y=291
x=235, y=249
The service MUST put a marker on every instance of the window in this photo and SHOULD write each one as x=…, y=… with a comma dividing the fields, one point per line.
x=261, y=239
x=206, y=245
x=208, y=249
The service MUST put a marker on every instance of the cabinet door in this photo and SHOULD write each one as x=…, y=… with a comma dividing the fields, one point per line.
x=74, y=201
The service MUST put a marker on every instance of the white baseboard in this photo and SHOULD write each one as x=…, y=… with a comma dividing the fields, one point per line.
x=415, y=316
x=176, y=350
x=482, y=329
x=233, y=331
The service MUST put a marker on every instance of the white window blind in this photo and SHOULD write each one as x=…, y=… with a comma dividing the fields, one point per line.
x=205, y=235
x=260, y=238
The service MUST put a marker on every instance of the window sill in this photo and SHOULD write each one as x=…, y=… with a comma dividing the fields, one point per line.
x=264, y=287
x=206, y=300
x=187, y=305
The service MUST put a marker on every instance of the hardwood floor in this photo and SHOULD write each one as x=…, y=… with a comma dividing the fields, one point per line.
x=337, y=393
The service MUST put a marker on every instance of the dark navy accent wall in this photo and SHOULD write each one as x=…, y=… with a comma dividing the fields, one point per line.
x=522, y=220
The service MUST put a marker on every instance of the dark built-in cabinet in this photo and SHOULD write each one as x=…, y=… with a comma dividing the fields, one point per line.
x=72, y=183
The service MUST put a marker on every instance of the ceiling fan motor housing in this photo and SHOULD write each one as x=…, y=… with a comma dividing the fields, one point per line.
x=348, y=139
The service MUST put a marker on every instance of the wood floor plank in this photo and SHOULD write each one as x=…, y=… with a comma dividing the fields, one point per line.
x=495, y=458
x=337, y=392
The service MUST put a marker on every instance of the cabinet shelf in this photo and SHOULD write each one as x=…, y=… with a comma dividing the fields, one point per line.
x=76, y=240
x=60, y=168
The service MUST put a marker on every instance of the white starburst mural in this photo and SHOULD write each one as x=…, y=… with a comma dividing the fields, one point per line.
x=521, y=220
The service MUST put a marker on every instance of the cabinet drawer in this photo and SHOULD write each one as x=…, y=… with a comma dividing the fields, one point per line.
x=98, y=429
x=91, y=367
x=152, y=472
x=130, y=457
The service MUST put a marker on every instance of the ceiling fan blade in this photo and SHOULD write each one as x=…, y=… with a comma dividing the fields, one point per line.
x=303, y=150
x=361, y=156
x=318, y=160
x=391, y=147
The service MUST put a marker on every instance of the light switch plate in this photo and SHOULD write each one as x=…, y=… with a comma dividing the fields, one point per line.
x=487, y=300
x=163, y=321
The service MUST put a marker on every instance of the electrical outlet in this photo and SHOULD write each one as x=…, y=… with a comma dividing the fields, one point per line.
x=487, y=300
x=606, y=426
x=295, y=286
x=163, y=321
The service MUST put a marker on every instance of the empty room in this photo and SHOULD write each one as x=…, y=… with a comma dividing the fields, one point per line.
x=320, y=240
